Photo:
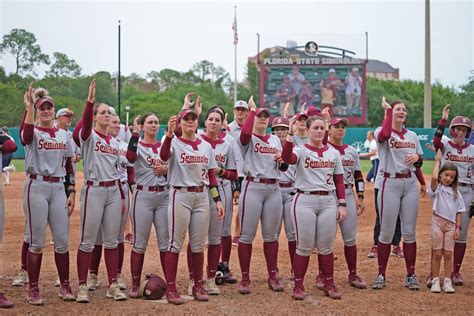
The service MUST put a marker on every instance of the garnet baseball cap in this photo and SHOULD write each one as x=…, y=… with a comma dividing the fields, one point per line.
x=299, y=115
x=312, y=111
x=262, y=110
x=64, y=112
x=241, y=104
x=43, y=100
x=185, y=113
x=337, y=120
x=280, y=121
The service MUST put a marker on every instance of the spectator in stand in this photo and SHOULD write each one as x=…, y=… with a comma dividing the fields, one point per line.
x=353, y=91
x=327, y=96
x=286, y=93
x=306, y=95
x=297, y=81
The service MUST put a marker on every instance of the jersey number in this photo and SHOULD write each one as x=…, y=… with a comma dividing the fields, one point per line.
x=330, y=179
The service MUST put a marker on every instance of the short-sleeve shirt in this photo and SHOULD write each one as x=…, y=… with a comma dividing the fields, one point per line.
x=445, y=204
x=148, y=157
x=46, y=155
x=353, y=85
x=223, y=154
x=393, y=151
x=259, y=156
x=462, y=157
x=315, y=169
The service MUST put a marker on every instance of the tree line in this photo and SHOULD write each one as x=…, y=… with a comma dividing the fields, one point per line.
x=162, y=91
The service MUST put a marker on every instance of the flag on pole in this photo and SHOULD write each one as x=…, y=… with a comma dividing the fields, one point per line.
x=234, y=28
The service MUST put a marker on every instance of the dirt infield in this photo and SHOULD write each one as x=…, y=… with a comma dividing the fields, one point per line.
x=394, y=299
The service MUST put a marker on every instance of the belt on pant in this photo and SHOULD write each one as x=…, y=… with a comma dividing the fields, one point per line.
x=110, y=183
x=124, y=182
x=151, y=188
x=397, y=175
x=260, y=180
x=465, y=184
x=46, y=178
x=313, y=192
x=285, y=184
x=190, y=189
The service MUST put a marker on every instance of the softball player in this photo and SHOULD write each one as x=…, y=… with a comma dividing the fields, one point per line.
x=102, y=198
x=316, y=209
x=260, y=198
x=399, y=152
x=150, y=199
x=461, y=154
x=280, y=127
x=7, y=145
x=352, y=177
x=126, y=172
x=301, y=132
x=47, y=163
x=191, y=162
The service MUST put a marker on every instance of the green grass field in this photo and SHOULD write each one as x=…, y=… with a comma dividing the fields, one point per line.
x=427, y=166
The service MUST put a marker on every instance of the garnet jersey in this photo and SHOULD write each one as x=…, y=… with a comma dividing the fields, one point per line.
x=392, y=152
x=315, y=168
x=46, y=155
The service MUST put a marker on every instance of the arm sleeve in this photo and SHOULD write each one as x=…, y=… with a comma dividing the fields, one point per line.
x=246, y=133
x=28, y=133
x=229, y=174
x=76, y=132
x=386, y=130
x=212, y=178
x=22, y=126
x=437, y=143
x=287, y=154
x=132, y=148
x=419, y=176
x=340, y=188
x=130, y=175
x=87, y=118
x=165, y=152
x=325, y=137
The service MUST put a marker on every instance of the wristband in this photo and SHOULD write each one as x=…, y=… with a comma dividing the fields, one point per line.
x=291, y=134
x=458, y=226
x=360, y=196
x=71, y=191
x=342, y=204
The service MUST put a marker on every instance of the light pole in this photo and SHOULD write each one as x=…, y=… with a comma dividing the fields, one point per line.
x=127, y=113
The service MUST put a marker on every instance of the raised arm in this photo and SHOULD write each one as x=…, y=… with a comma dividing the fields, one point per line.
x=438, y=144
x=165, y=152
x=88, y=114
x=386, y=130
x=246, y=133
x=434, y=175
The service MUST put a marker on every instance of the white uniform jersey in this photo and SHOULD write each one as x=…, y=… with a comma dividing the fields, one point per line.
x=122, y=162
x=289, y=174
x=444, y=203
x=190, y=162
x=350, y=161
x=259, y=157
x=461, y=157
x=148, y=157
x=75, y=149
x=392, y=152
x=101, y=156
x=46, y=155
x=124, y=133
x=299, y=140
x=315, y=168
x=234, y=130
x=224, y=154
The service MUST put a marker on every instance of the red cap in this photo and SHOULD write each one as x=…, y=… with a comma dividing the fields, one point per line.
x=300, y=114
x=44, y=100
x=312, y=111
x=280, y=121
x=337, y=120
x=262, y=110
x=184, y=113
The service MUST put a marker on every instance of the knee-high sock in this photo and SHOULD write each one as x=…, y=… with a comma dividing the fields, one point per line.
x=136, y=266
x=409, y=249
x=292, y=251
x=62, y=264
x=459, y=250
x=33, y=262
x=163, y=261
x=96, y=255
x=350, y=252
x=120, y=254
x=226, y=247
x=382, y=256
x=326, y=265
x=83, y=263
x=300, y=266
x=111, y=263
x=245, y=253
x=270, y=250
x=198, y=265
x=171, y=270
x=24, y=253
x=189, y=260
x=213, y=254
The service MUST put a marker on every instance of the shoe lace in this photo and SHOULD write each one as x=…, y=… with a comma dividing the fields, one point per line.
x=412, y=279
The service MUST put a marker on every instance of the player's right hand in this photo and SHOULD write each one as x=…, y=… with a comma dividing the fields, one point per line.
x=188, y=103
x=136, y=128
x=446, y=112
x=171, y=126
x=220, y=210
x=341, y=213
x=91, y=95
x=385, y=104
x=236, y=197
x=251, y=103
x=28, y=99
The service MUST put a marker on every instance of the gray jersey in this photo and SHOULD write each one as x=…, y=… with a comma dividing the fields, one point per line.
x=122, y=163
x=100, y=156
x=289, y=175
x=259, y=156
x=234, y=130
x=46, y=155
x=223, y=153
x=148, y=157
x=392, y=152
x=300, y=141
x=462, y=157
x=75, y=149
x=190, y=162
x=350, y=161
x=315, y=171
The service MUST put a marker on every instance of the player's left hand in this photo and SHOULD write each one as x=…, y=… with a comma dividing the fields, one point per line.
x=71, y=202
x=457, y=233
x=188, y=103
x=220, y=210
x=286, y=110
x=225, y=124
x=341, y=213
x=423, y=190
x=251, y=103
x=160, y=170
x=325, y=114
x=360, y=206
x=91, y=95
x=411, y=159
x=124, y=206
x=278, y=158
x=198, y=106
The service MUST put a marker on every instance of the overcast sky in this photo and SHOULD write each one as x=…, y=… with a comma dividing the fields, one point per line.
x=157, y=34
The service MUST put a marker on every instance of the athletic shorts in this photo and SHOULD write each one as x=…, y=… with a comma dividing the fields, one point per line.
x=442, y=233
